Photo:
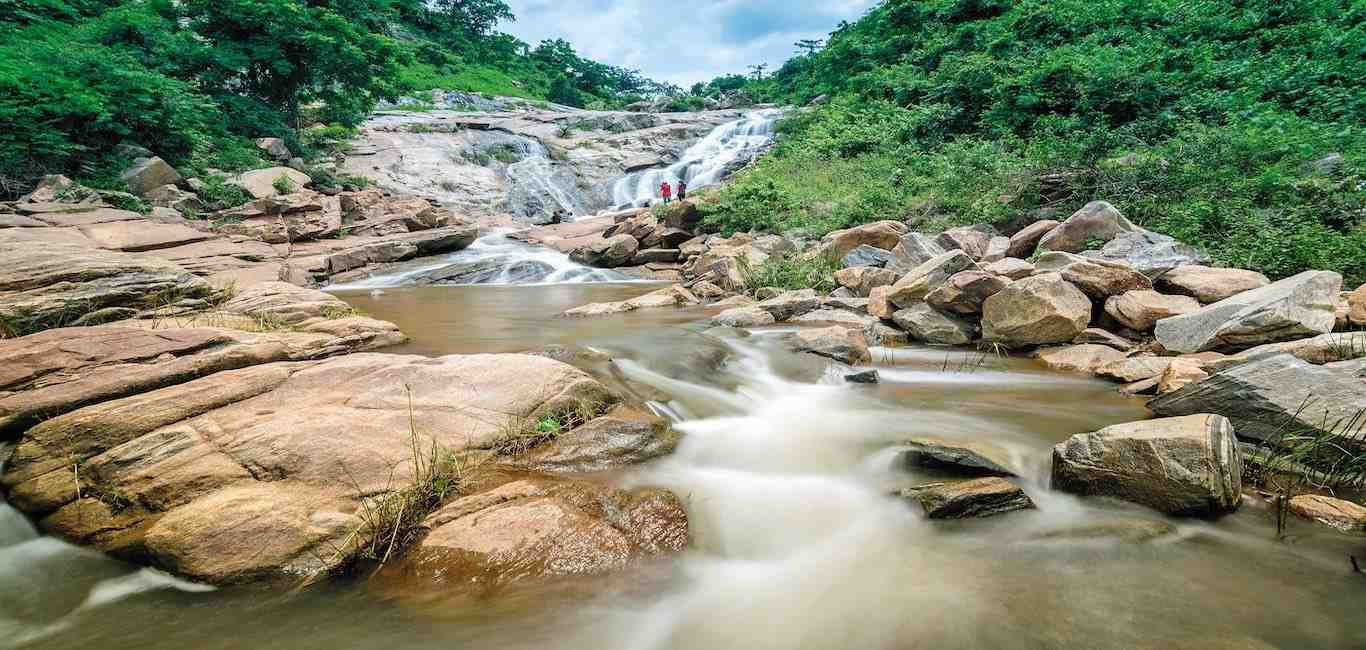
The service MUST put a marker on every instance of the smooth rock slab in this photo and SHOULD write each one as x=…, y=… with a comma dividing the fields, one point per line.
x=1296, y=307
x=983, y=497
x=1189, y=466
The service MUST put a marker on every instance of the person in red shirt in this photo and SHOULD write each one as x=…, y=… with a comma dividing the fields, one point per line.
x=667, y=190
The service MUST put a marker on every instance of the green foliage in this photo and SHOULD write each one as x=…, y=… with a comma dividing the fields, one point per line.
x=793, y=272
x=283, y=184
x=217, y=191
x=1209, y=121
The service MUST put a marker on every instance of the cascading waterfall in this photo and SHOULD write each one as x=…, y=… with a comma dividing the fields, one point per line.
x=704, y=163
x=533, y=183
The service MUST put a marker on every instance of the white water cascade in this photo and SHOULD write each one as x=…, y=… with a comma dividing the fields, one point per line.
x=533, y=183
x=704, y=163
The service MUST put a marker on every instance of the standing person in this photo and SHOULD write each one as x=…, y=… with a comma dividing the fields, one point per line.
x=682, y=190
x=667, y=191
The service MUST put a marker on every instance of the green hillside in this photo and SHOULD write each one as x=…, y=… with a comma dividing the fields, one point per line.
x=1238, y=125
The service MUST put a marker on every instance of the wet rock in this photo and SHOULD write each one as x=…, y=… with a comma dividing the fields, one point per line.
x=1295, y=307
x=915, y=285
x=926, y=325
x=973, y=458
x=1011, y=268
x=1150, y=253
x=983, y=497
x=1023, y=243
x=1338, y=514
x=623, y=437
x=912, y=250
x=260, y=473
x=866, y=255
x=674, y=296
x=55, y=284
x=541, y=526
x=149, y=173
x=1187, y=466
x=749, y=316
x=1141, y=309
x=484, y=272
x=1130, y=531
x=1265, y=396
x=883, y=235
x=261, y=183
x=861, y=280
x=863, y=377
x=1038, y=310
x=607, y=253
x=1092, y=226
x=827, y=316
x=973, y=240
x=1209, y=285
x=1098, y=279
x=708, y=291
x=883, y=334
x=839, y=343
x=965, y=292
x=790, y=304
x=1084, y=358
x=1102, y=337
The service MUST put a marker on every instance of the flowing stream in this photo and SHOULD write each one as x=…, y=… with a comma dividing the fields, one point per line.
x=713, y=158
x=798, y=541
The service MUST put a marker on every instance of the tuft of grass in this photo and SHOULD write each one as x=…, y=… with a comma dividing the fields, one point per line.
x=218, y=193
x=793, y=272
x=284, y=185
x=1296, y=459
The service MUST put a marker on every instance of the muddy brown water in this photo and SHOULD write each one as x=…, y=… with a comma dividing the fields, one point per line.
x=787, y=472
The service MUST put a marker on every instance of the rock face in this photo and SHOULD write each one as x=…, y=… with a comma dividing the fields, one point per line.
x=1150, y=253
x=1038, y=310
x=1264, y=396
x=838, y=343
x=983, y=497
x=260, y=472
x=965, y=292
x=914, y=286
x=1338, y=514
x=1097, y=222
x=540, y=526
x=1140, y=310
x=54, y=284
x=1210, y=285
x=1188, y=466
x=926, y=325
x=1023, y=243
x=607, y=253
x=1296, y=307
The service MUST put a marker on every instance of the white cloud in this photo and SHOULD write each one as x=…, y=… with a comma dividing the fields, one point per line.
x=682, y=42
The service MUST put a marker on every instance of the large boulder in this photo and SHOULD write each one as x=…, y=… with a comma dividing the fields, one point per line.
x=1267, y=397
x=861, y=280
x=1011, y=268
x=915, y=285
x=965, y=292
x=839, y=343
x=1140, y=310
x=1207, y=284
x=1296, y=307
x=1024, y=243
x=1039, y=310
x=1187, y=466
x=1092, y=226
x=1098, y=279
x=973, y=240
x=1150, y=253
x=607, y=253
x=882, y=234
x=261, y=183
x=926, y=325
x=269, y=471
x=148, y=174
x=517, y=528
x=913, y=250
x=55, y=284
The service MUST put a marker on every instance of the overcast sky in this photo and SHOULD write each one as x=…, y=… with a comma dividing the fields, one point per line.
x=682, y=41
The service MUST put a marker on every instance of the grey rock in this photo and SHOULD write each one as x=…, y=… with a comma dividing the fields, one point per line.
x=1038, y=310
x=790, y=304
x=1296, y=307
x=913, y=250
x=1150, y=253
x=866, y=255
x=983, y=497
x=1188, y=466
x=865, y=377
x=973, y=458
x=149, y=173
x=925, y=324
x=1097, y=222
x=607, y=253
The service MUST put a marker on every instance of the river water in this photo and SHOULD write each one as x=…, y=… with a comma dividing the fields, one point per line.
x=797, y=543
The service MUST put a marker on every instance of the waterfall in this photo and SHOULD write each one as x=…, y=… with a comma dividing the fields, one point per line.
x=704, y=163
x=534, y=186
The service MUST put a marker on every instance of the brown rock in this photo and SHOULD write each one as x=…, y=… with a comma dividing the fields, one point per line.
x=883, y=234
x=914, y=286
x=1101, y=337
x=1097, y=278
x=1179, y=373
x=838, y=343
x=1085, y=358
x=1338, y=514
x=1356, y=306
x=964, y=292
x=863, y=279
x=878, y=303
x=746, y=316
x=1209, y=285
x=1011, y=268
x=1140, y=310
x=974, y=458
x=149, y=173
x=1023, y=243
x=261, y=183
x=983, y=497
x=137, y=236
x=1039, y=310
x=973, y=240
x=607, y=253
x=1096, y=223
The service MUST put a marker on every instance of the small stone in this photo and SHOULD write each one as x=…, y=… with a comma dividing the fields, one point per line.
x=864, y=377
x=1338, y=514
x=983, y=497
x=974, y=458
